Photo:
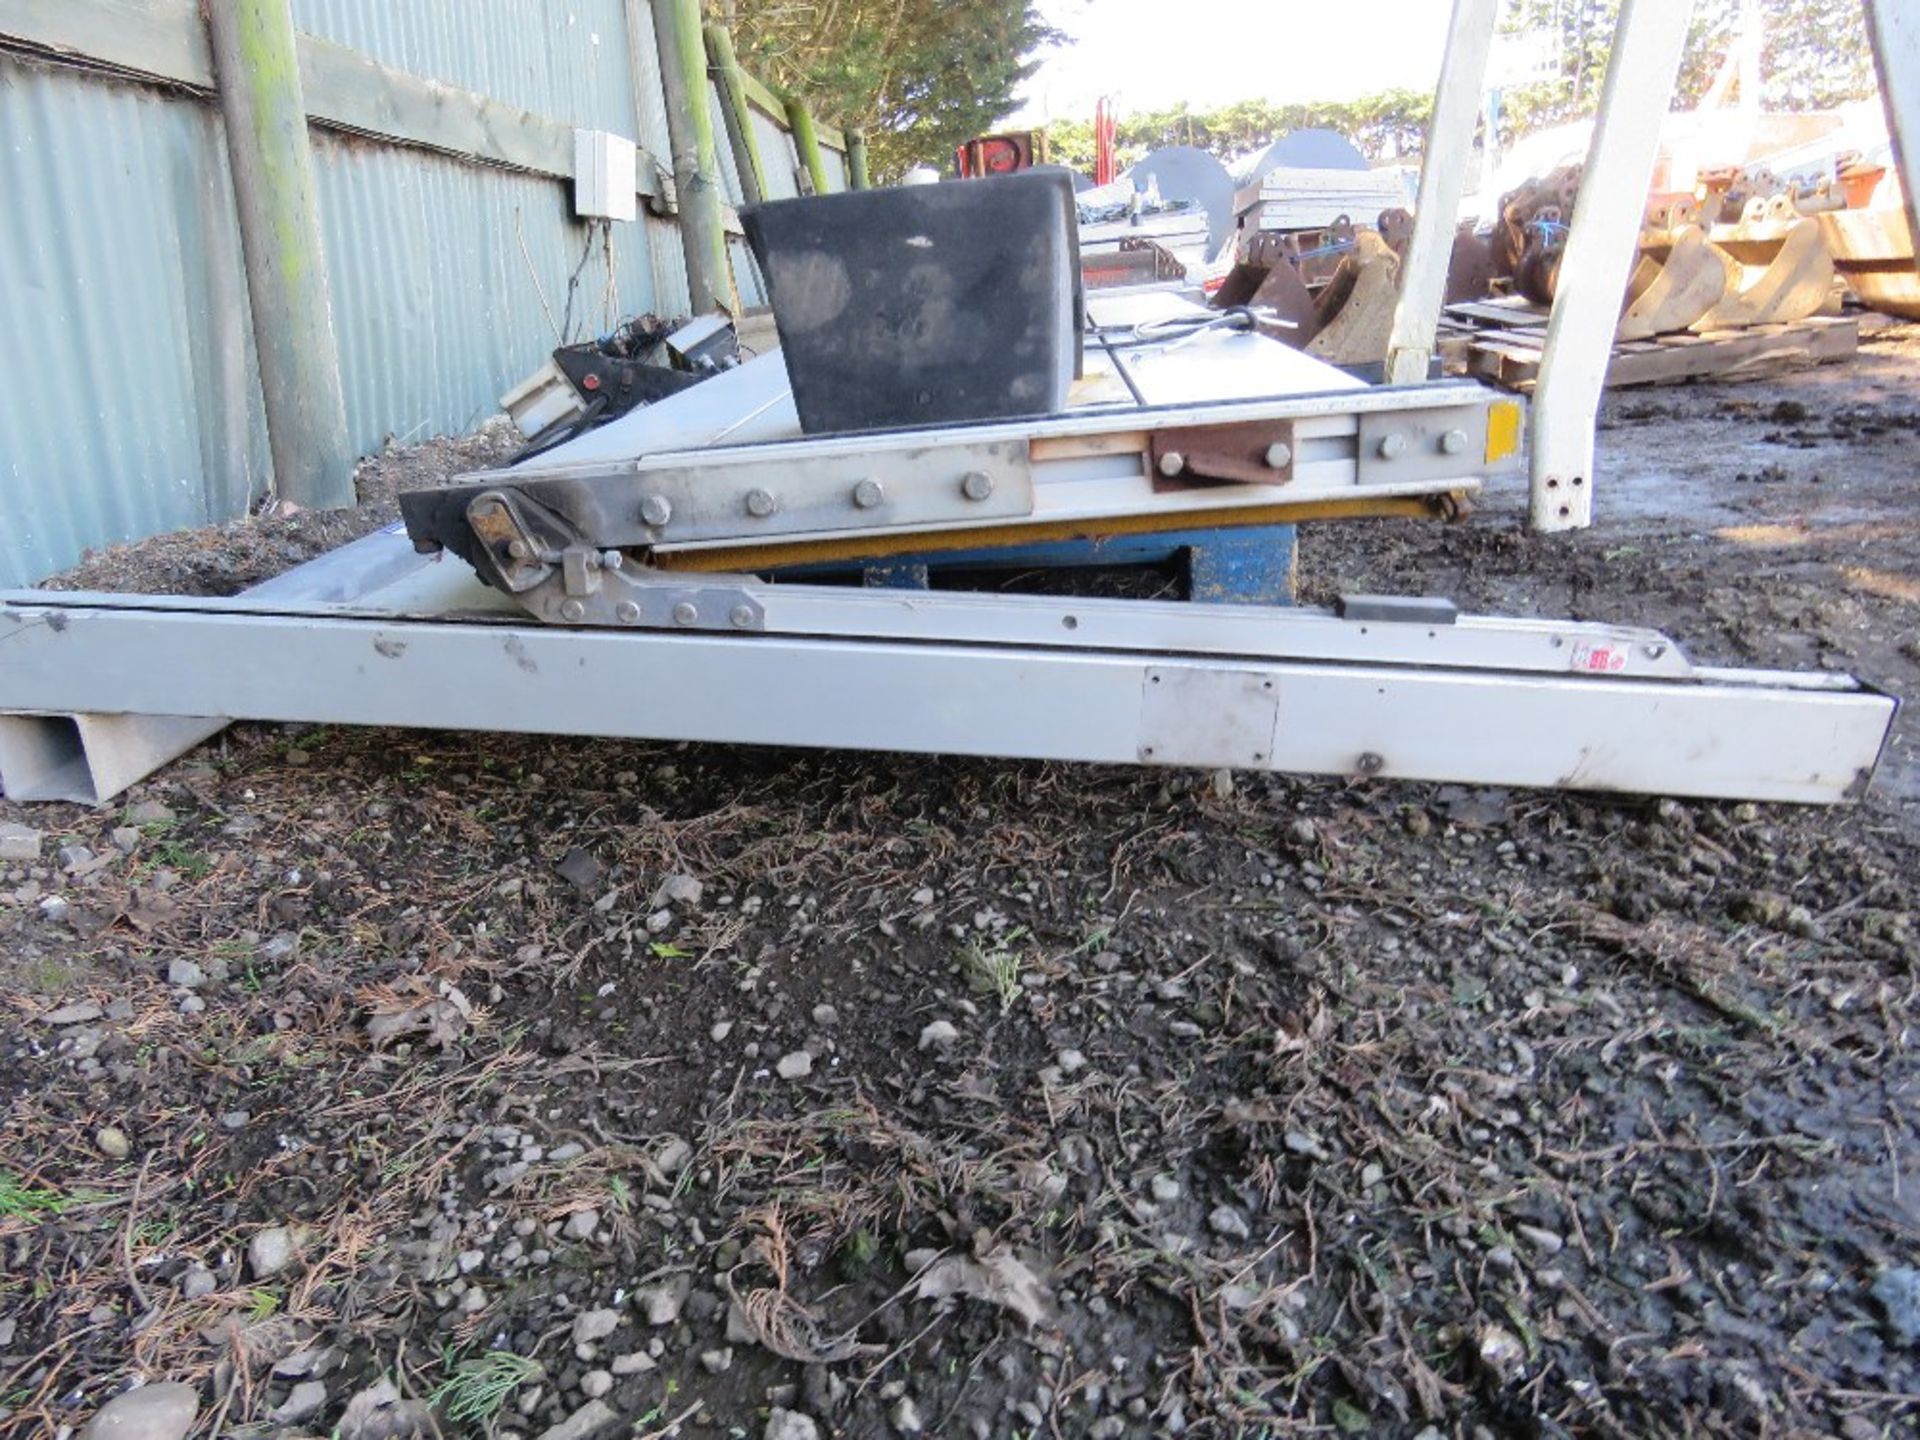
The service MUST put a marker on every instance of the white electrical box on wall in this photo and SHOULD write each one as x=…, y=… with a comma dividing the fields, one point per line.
x=605, y=175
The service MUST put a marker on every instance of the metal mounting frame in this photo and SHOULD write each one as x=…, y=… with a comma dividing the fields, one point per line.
x=552, y=535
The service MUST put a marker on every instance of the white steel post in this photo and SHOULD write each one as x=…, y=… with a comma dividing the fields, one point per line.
x=1894, y=26
x=1600, y=252
x=1443, y=174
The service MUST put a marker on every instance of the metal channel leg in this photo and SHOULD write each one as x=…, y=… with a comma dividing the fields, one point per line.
x=1443, y=172
x=1894, y=26
x=1600, y=251
x=89, y=757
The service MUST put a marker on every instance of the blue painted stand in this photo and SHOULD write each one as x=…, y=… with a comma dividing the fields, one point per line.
x=1245, y=566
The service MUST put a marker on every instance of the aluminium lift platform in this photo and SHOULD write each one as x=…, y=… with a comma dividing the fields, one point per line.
x=615, y=590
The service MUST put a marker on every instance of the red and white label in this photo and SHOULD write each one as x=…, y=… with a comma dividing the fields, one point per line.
x=1600, y=659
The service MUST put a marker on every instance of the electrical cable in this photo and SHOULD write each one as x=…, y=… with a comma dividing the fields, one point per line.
x=1174, y=330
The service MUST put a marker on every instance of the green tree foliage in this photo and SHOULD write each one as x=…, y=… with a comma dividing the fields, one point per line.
x=1815, y=56
x=919, y=76
x=1386, y=126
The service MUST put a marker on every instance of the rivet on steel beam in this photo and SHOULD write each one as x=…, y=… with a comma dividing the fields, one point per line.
x=1279, y=455
x=976, y=485
x=1172, y=463
x=760, y=503
x=686, y=613
x=656, y=510
x=572, y=610
x=1393, y=446
x=741, y=616
x=868, y=494
x=1454, y=442
x=627, y=613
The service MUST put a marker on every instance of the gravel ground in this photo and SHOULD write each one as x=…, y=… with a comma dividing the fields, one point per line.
x=374, y=1084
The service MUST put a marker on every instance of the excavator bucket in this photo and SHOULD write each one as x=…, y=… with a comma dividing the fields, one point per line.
x=1470, y=267
x=1781, y=270
x=1267, y=279
x=1283, y=306
x=1679, y=277
x=1354, y=314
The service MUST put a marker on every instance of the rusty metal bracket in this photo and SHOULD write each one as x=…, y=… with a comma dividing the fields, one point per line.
x=516, y=542
x=1257, y=452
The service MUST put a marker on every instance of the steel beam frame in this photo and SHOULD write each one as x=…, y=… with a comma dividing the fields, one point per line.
x=1478, y=701
x=1443, y=178
x=1423, y=448
x=1600, y=249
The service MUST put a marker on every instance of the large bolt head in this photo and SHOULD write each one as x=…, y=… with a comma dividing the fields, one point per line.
x=1454, y=442
x=656, y=510
x=760, y=503
x=1172, y=463
x=572, y=610
x=686, y=613
x=976, y=485
x=1279, y=455
x=741, y=616
x=1393, y=446
x=868, y=494
x=627, y=613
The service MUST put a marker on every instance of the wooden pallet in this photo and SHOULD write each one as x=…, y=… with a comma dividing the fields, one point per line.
x=1502, y=342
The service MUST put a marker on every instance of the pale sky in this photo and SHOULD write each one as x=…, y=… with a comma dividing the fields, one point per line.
x=1152, y=53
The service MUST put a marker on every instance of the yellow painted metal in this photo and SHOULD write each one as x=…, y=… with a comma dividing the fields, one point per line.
x=879, y=543
x=1503, y=430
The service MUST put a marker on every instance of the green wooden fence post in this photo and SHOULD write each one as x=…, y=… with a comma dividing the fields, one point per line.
x=696, y=164
x=807, y=141
x=733, y=94
x=857, y=175
x=271, y=161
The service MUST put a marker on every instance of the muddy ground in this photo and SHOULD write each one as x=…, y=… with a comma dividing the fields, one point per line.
x=368, y=1082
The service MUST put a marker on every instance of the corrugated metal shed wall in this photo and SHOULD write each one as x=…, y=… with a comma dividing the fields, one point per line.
x=128, y=403
x=450, y=280
x=835, y=165
x=782, y=160
x=565, y=59
x=776, y=155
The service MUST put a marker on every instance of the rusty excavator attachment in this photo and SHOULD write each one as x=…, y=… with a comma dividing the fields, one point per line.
x=1781, y=269
x=1769, y=266
x=1267, y=277
x=1751, y=251
x=1679, y=278
x=1353, y=315
x=1332, y=292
